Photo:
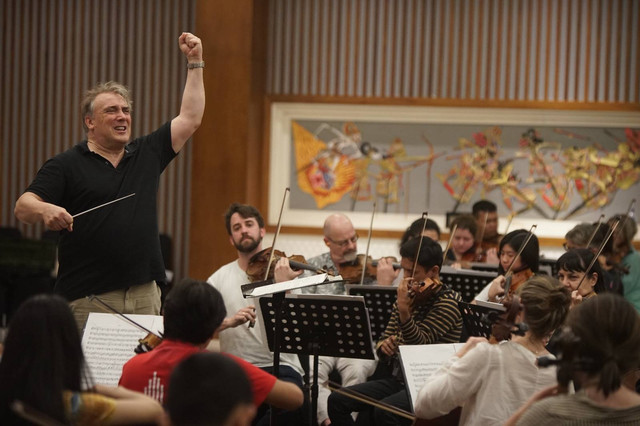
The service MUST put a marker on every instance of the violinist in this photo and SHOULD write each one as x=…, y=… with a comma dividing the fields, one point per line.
x=572, y=268
x=592, y=236
x=245, y=227
x=605, y=335
x=464, y=248
x=193, y=312
x=490, y=381
x=342, y=240
x=425, y=312
x=625, y=255
x=522, y=267
x=486, y=214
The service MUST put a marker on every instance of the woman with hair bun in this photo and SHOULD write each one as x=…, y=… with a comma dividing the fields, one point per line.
x=603, y=334
x=490, y=381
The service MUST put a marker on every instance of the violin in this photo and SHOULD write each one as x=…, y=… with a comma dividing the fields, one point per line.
x=352, y=271
x=423, y=291
x=513, y=280
x=259, y=263
x=147, y=343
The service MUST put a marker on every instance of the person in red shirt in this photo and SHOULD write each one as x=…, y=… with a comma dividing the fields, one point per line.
x=193, y=311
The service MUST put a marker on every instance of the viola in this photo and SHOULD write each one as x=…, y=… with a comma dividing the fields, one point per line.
x=352, y=271
x=515, y=280
x=259, y=263
x=148, y=343
x=505, y=324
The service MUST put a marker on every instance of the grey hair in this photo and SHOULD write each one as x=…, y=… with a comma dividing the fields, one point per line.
x=86, y=106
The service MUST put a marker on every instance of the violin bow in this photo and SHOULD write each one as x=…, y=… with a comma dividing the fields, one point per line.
x=101, y=303
x=446, y=250
x=595, y=258
x=425, y=215
x=513, y=261
x=366, y=254
x=486, y=216
x=511, y=216
x=368, y=400
x=595, y=230
x=275, y=236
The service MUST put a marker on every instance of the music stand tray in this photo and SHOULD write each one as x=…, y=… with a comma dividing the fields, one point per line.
x=478, y=319
x=379, y=301
x=328, y=325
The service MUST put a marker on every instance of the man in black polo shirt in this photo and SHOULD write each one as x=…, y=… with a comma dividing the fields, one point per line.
x=113, y=251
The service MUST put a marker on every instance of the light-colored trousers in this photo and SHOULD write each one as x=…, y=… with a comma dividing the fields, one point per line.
x=352, y=371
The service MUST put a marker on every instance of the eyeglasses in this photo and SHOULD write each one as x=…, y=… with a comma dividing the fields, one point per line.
x=346, y=242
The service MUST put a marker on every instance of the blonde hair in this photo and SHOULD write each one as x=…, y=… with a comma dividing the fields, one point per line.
x=86, y=106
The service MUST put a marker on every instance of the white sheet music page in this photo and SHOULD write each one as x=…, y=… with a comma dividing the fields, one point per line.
x=109, y=340
x=420, y=361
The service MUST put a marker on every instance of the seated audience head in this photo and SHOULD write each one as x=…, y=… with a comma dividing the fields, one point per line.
x=245, y=227
x=193, y=311
x=341, y=238
x=486, y=209
x=572, y=267
x=209, y=389
x=509, y=247
x=431, y=230
x=464, y=237
x=429, y=258
x=42, y=358
x=546, y=304
x=607, y=329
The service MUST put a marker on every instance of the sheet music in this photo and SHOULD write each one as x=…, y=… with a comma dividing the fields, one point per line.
x=109, y=340
x=497, y=306
x=421, y=361
x=288, y=285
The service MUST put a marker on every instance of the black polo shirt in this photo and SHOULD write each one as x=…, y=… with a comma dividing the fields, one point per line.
x=116, y=246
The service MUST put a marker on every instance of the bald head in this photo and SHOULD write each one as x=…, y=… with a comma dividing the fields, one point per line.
x=341, y=238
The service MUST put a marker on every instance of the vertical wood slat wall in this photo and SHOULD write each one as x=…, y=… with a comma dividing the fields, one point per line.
x=531, y=52
x=53, y=50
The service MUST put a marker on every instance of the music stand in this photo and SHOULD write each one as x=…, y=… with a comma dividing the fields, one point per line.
x=466, y=282
x=328, y=325
x=478, y=319
x=379, y=300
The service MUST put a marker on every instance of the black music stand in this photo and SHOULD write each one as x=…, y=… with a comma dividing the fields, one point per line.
x=466, y=282
x=478, y=319
x=379, y=300
x=327, y=325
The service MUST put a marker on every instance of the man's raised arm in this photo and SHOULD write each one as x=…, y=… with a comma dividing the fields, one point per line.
x=192, y=107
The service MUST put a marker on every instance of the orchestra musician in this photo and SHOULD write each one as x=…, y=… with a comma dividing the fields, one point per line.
x=342, y=240
x=43, y=366
x=245, y=227
x=624, y=254
x=522, y=266
x=592, y=236
x=572, y=267
x=490, y=381
x=114, y=251
x=425, y=312
x=603, y=338
x=486, y=214
x=464, y=247
x=192, y=313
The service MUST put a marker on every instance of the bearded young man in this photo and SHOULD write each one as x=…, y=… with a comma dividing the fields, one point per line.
x=245, y=227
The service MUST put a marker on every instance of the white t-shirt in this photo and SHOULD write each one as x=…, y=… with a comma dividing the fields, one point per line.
x=242, y=341
x=490, y=382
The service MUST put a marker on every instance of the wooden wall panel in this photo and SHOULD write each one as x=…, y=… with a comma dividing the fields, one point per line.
x=543, y=53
